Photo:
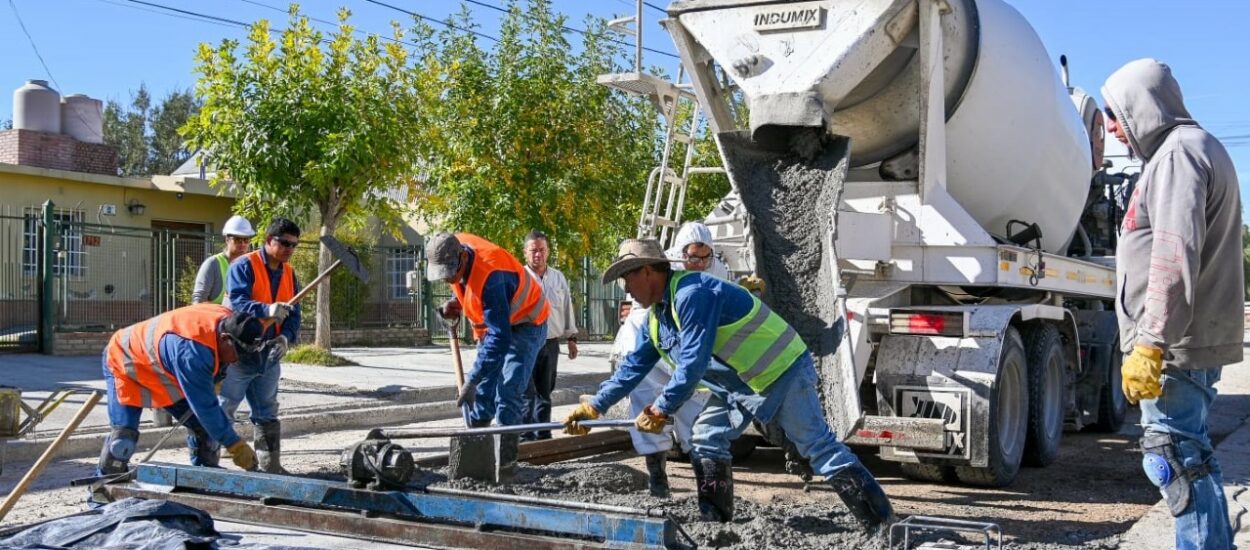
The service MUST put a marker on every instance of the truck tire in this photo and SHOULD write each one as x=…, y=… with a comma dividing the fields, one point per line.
x=927, y=472
x=1112, y=405
x=1047, y=391
x=1009, y=408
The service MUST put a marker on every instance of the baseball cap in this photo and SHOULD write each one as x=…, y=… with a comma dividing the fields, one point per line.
x=442, y=253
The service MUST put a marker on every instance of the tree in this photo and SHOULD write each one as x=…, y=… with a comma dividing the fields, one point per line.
x=311, y=124
x=145, y=136
x=1245, y=258
x=526, y=139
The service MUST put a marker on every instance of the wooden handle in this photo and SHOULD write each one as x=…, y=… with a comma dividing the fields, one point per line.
x=316, y=282
x=455, y=357
x=47, y=455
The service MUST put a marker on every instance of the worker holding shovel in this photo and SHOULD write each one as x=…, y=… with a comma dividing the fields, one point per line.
x=168, y=362
x=762, y=371
x=262, y=284
x=509, y=314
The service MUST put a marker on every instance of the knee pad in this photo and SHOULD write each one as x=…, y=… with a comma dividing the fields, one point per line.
x=118, y=449
x=1165, y=467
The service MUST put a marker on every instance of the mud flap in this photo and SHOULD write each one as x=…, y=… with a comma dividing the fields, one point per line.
x=791, y=201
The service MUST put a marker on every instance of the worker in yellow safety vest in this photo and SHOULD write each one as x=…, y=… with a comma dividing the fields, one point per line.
x=762, y=371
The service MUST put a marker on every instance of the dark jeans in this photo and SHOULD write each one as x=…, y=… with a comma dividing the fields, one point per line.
x=542, y=383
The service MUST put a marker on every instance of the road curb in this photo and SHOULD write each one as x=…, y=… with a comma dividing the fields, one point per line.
x=418, y=405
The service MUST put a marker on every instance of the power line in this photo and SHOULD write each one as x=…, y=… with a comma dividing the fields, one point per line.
x=157, y=12
x=655, y=7
x=573, y=29
x=433, y=20
x=31, y=40
x=189, y=12
x=331, y=23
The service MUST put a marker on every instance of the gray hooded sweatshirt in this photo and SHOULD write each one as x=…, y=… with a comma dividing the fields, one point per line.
x=1179, y=259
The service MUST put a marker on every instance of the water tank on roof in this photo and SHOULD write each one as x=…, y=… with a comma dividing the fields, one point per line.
x=82, y=118
x=37, y=107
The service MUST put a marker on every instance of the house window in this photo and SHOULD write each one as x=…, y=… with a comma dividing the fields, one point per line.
x=73, y=261
x=399, y=261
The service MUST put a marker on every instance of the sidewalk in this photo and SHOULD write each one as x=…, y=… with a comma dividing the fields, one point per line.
x=389, y=386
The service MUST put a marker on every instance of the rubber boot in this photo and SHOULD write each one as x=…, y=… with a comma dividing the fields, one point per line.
x=657, y=477
x=864, y=497
x=268, y=440
x=508, y=449
x=715, y=485
x=205, y=451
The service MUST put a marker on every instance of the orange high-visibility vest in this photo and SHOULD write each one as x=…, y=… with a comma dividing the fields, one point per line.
x=527, y=305
x=139, y=377
x=260, y=284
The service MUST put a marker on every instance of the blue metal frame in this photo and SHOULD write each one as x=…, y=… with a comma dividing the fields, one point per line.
x=616, y=530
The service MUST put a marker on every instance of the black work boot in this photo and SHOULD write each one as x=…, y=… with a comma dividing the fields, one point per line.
x=657, y=477
x=714, y=483
x=268, y=440
x=864, y=497
x=508, y=449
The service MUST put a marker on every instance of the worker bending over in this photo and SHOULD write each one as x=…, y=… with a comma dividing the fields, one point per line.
x=168, y=362
x=509, y=315
x=762, y=371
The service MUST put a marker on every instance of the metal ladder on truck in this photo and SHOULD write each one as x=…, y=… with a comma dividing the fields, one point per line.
x=666, y=188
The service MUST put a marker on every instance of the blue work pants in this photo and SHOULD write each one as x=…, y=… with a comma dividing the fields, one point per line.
x=500, y=395
x=258, y=383
x=1182, y=413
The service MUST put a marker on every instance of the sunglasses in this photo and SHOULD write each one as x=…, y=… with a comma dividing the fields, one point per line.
x=237, y=239
x=287, y=244
x=1110, y=114
x=696, y=259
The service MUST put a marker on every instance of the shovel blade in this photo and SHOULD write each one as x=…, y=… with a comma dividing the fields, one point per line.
x=348, y=258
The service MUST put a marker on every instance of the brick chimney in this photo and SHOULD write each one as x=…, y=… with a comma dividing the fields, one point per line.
x=56, y=151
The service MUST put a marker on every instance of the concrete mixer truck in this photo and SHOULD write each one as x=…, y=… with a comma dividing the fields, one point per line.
x=911, y=174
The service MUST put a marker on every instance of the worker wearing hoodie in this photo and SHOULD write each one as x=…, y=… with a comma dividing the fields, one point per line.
x=1180, y=289
x=692, y=250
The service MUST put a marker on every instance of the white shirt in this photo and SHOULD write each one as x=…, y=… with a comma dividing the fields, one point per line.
x=561, y=323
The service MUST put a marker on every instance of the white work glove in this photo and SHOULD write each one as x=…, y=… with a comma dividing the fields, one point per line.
x=278, y=311
x=278, y=348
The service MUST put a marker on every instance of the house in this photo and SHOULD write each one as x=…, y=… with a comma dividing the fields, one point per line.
x=121, y=240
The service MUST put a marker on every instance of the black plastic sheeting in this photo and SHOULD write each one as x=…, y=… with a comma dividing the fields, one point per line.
x=131, y=524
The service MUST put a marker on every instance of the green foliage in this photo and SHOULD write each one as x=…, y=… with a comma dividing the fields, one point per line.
x=309, y=123
x=146, y=136
x=185, y=286
x=313, y=355
x=1245, y=258
x=524, y=138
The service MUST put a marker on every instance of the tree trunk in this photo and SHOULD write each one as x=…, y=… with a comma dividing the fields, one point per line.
x=322, y=339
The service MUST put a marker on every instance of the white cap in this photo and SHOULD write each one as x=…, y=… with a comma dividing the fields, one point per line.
x=238, y=225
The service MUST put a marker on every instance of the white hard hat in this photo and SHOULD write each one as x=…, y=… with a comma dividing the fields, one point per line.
x=238, y=225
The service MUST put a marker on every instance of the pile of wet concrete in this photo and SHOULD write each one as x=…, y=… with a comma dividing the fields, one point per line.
x=781, y=525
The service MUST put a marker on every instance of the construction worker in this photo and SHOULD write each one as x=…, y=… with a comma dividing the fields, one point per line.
x=261, y=284
x=509, y=314
x=762, y=371
x=1180, y=286
x=210, y=282
x=561, y=324
x=168, y=362
x=692, y=250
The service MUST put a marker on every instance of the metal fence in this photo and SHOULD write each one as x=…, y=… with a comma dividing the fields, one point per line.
x=106, y=277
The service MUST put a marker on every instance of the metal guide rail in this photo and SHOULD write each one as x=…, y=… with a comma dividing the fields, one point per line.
x=424, y=516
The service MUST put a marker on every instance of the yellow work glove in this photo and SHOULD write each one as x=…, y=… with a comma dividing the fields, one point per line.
x=752, y=283
x=650, y=420
x=1140, y=373
x=242, y=455
x=583, y=412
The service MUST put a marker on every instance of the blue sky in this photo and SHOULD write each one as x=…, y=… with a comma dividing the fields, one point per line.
x=105, y=48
